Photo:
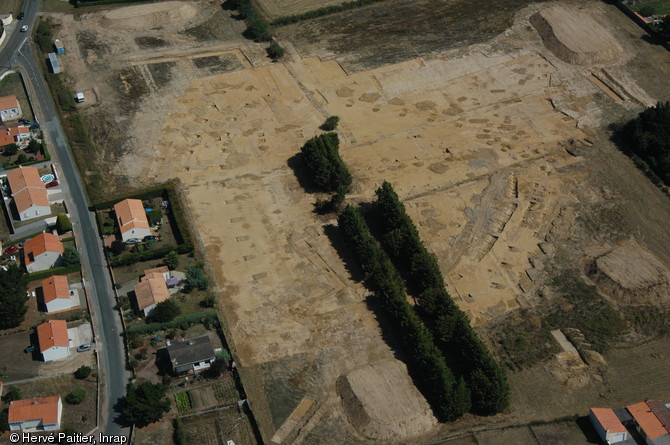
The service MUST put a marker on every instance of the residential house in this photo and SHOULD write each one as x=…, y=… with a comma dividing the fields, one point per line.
x=652, y=421
x=152, y=289
x=42, y=252
x=53, y=340
x=14, y=134
x=190, y=356
x=57, y=295
x=43, y=414
x=9, y=108
x=132, y=219
x=29, y=193
x=608, y=426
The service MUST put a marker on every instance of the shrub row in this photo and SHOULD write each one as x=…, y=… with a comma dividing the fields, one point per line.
x=62, y=270
x=146, y=255
x=464, y=351
x=326, y=10
x=184, y=322
x=449, y=397
x=324, y=166
x=257, y=27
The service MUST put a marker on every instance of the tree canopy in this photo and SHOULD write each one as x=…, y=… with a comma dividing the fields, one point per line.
x=648, y=137
x=70, y=257
x=324, y=167
x=13, y=297
x=145, y=403
x=164, y=311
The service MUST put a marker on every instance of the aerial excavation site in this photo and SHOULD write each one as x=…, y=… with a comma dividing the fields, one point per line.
x=507, y=280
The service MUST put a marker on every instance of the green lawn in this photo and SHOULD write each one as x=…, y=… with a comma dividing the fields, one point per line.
x=12, y=85
x=660, y=7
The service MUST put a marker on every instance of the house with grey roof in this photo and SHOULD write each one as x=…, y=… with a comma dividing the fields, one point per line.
x=190, y=356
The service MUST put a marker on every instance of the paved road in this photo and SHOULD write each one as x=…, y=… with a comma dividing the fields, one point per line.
x=98, y=283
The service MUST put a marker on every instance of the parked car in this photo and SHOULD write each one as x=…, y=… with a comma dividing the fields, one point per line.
x=11, y=249
x=150, y=237
x=24, y=28
x=21, y=16
x=30, y=348
x=133, y=241
x=53, y=183
x=84, y=347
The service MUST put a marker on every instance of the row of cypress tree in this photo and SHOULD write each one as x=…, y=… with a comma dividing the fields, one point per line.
x=463, y=350
x=448, y=396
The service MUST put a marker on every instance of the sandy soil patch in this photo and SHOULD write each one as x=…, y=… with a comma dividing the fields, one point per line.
x=382, y=403
x=574, y=36
x=632, y=275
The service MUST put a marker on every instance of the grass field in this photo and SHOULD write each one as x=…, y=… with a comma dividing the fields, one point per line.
x=660, y=7
x=12, y=85
x=13, y=6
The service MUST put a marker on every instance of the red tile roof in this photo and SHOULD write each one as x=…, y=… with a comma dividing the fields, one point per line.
x=648, y=422
x=8, y=133
x=44, y=242
x=608, y=420
x=8, y=102
x=45, y=408
x=52, y=333
x=27, y=188
x=55, y=287
x=131, y=215
x=151, y=289
x=661, y=412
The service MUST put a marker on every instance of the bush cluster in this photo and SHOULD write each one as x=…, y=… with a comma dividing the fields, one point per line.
x=324, y=167
x=257, y=27
x=646, y=141
x=464, y=351
x=449, y=397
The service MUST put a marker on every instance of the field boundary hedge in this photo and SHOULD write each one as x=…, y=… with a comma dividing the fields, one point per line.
x=62, y=270
x=183, y=322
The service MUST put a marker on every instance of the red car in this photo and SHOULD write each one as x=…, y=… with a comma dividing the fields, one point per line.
x=11, y=249
x=53, y=183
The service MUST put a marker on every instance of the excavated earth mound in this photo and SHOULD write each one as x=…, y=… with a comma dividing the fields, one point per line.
x=575, y=37
x=632, y=275
x=382, y=403
x=150, y=15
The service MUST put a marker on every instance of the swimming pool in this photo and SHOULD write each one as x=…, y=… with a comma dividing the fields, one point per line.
x=47, y=178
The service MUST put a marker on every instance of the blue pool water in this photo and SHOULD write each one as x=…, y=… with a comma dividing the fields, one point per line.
x=48, y=178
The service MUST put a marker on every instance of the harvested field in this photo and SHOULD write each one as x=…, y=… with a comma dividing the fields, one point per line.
x=397, y=30
x=494, y=149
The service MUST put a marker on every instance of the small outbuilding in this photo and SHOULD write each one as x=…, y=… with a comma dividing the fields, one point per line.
x=55, y=64
x=607, y=425
x=60, y=49
x=79, y=97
